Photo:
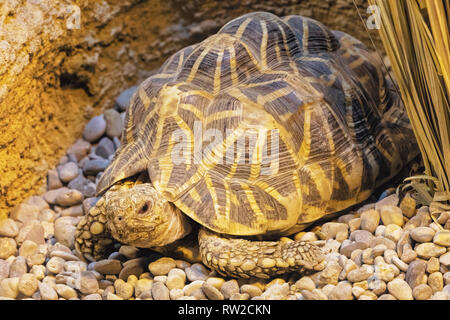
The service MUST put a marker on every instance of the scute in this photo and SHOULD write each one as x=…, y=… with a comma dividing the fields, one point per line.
x=295, y=122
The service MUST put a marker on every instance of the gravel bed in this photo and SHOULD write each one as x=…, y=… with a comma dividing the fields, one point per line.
x=386, y=250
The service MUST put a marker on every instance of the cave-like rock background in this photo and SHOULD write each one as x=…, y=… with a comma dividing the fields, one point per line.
x=64, y=61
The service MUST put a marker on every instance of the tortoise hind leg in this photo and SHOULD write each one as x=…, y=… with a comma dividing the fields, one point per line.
x=262, y=259
x=92, y=238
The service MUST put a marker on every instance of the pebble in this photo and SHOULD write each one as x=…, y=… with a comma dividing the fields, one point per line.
x=436, y=281
x=69, y=171
x=112, y=296
x=123, y=289
x=108, y=266
x=306, y=283
x=330, y=274
x=4, y=269
x=142, y=285
x=276, y=292
x=240, y=296
x=386, y=296
x=332, y=230
x=92, y=167
x=440, y=296
x=53, y=181
x=28, y=248
x=47, y=215
x=75, y=211
x=211, y=292
x=198, y=294
x=196, y=271
x=362, y=236
x=349, y=248
x=35, y=259
x=422, y=234
x=160, y=291
x=408, y=256
x=400, y=264
x=342, y=291
x=386, y=272
x=28, y=284
x=442, y=238
x=161, y=266
x=370, y=220
x=315, y=294
x=191, y=287
x=38, y=271
x=65, y=291
x=393, y=232
x=253, y=291
x=65, y=228
x=104, y=148
x=93, y=296
x=391, y=200
x=124, y=98
x=408, y=206
x=114, y=123
x=24, y=212
x=37, y=202
x=31, y=230
x=8, y=228
x=428, y=250
x=51, y=195
x=415, y=274
x=229, y=287
x=176, y=279
x=9, y=287
x=85, y=186
x=306, y=236
x=381, y=240
x=88, y=282
x=360, y=274
x=447, y=278
x=69, y=197
x=433, y=264
x=391, y=215
x=135, y=267
x=79, y=149
x=422, y=292
x=55, y=265
x=176, y=294
x=8, y=247
x=377, y=286
x=94, y=129
x=354, y=224
x=67, y=256
x=216, y=282
x=47, y=292
x=162, y=279
x=400, y=289
x=445, y=259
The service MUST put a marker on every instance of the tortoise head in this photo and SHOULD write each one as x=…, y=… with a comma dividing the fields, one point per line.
x=138, y=215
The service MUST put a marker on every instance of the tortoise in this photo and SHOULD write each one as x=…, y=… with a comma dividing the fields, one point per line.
x=246, y=138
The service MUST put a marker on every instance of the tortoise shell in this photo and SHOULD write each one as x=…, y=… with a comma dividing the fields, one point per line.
x=319, y=96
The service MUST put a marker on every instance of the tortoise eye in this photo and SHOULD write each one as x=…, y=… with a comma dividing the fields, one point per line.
x=145, y=208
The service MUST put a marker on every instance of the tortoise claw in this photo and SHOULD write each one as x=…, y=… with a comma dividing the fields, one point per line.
x=93, y=240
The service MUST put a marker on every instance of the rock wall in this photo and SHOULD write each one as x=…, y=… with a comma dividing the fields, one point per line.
x=64, y=61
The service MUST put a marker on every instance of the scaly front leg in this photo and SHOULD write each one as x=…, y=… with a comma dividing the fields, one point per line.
x=262, y=259
x=92, y=238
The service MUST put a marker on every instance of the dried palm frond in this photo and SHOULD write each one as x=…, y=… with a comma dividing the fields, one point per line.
x=416, y=38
